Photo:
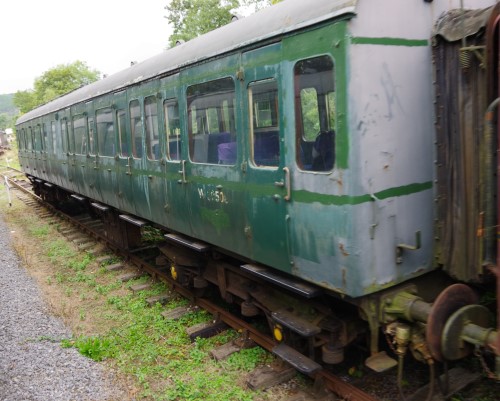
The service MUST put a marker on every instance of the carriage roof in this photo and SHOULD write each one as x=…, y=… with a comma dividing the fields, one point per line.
x=266, y=24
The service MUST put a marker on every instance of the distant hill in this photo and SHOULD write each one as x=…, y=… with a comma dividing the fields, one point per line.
x=6, y=105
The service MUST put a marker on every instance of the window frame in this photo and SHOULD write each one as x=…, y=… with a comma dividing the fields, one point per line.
x=151, y=128
x=100, y=144
x=82, y=118
x=205, y=101
x=169, y=132
x=263, y=139
x=315, y=155
x=136, y=126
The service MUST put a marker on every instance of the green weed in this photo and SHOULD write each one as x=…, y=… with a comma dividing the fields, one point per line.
x=59, y=250
x=248, y=359
x=92, y=347
x=79, y=264
x=39, y=231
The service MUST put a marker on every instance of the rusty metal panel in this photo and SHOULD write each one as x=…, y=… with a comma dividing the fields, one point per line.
x=460, y=106
x=458, y=24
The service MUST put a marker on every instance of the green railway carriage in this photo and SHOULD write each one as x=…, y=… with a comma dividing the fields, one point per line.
x=218, y=139
x=299, y=141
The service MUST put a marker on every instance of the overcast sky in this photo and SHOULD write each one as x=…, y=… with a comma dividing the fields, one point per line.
x=36, y=35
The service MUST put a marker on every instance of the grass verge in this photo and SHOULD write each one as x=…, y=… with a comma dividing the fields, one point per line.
x=115, y=326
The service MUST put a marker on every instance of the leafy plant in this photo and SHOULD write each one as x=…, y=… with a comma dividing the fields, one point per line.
x=248, y=359
x=39, y=231
x=92, y=347
x=80, y=263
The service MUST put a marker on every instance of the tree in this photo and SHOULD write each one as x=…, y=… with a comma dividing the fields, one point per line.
x=25, y=101
x=192, y=18
x=55, y=82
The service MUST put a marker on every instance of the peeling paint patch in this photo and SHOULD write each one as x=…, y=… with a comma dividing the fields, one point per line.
x=343, y=250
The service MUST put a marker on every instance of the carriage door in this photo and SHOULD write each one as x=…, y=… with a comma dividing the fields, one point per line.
x=106, y=151
x=153, y=149
x=89, y=148
x=79, y=144
x=175, y=214
x=64, y=170
x=139, y=152
x=125, y=195
x=318, y=229
x=266, y=176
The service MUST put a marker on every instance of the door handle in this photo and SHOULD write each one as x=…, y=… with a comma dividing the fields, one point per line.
x=288, y=184
x=129, y=166
x=182, y=171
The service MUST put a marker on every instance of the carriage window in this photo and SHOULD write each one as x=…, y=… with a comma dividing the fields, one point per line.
x=80, y=133
x=26, y=139
x=71, y=137
x=211, y=122
x=90, y=124
x=264, y=120
x=122, y=133
x=151, y=123
x=105, y=132
x=54, y=136
x=44, y=137
x=315, y=113
x=64, y=133
x=33, y=145
x=136, y=128
x=173, y=129
x=38, y=139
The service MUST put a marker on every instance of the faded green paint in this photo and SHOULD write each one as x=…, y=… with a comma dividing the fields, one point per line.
x=257, y=190
x=375, y=287
x=389, y=41
x=330, y=39
x=218, y=218
x=339, y=200
x=224, y=67
x=266, y=56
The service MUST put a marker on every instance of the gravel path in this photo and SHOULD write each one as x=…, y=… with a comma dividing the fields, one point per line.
x=33, y=365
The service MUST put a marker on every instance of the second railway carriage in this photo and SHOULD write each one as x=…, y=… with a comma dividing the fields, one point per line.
x=298, y=142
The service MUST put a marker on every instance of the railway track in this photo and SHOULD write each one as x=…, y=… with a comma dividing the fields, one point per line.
x=325, y=381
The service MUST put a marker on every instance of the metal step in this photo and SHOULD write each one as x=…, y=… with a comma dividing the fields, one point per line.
x=295, y=323
x=196, y=245
x=100, y=207
x=78, y=197
x=297, y=286
x=132, y=220
x=299, y=361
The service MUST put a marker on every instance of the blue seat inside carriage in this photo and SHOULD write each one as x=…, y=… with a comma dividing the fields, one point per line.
x=266, y=150
x=227, y=153
x=174, y=149
x=156, y=152
x=214, y=140
x=323, y=151
x=205, y=146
